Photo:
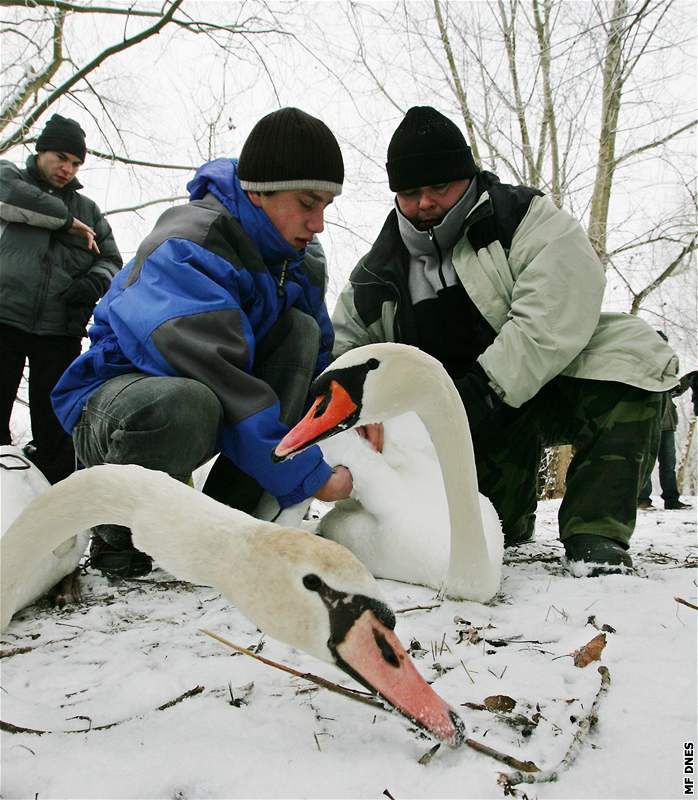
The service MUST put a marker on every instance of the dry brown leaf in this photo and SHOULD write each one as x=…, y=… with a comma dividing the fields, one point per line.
x=499, y=702
x=590, y=652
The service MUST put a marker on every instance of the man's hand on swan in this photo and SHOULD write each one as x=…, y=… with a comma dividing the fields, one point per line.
x=374, y=434
x=338, y=487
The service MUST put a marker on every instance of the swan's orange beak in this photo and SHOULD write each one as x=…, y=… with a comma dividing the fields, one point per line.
x=372, y=654
x=331, y=412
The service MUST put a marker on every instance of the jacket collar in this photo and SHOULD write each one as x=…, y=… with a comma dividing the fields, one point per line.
x=220, y=178
x=446, y=233
x=72, y=185
x=388, y=257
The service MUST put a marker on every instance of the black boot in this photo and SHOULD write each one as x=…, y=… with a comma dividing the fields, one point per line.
x=609, y=555
x=112, y=553
x=521, y=531
x=675, y=505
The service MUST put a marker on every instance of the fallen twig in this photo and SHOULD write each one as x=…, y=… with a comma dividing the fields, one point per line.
x=364, y=697
x=16, y=651
x=522, y=766
x=510, y=779
x=184, y=696
x=10, y=728
x=417, y=608
x=685, y=603
x=354, y=694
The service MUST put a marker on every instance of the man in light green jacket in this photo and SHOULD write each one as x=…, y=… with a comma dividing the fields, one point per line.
x=504, y=289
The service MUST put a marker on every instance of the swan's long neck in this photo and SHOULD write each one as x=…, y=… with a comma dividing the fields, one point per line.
x=166, y=519
x=474, y=565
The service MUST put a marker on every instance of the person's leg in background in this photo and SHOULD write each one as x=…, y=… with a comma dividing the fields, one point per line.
x=13, y=354
x=49, y=356
x=667, y=472
x=644, y=501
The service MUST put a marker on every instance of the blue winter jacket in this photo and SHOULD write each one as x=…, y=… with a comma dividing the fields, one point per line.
x=204, y=287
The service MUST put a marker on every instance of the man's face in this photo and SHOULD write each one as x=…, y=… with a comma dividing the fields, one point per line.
x=297, y=214
x=426, y=206
x=57, y=168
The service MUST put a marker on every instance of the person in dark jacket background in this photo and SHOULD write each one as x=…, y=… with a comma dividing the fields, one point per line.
x=58, y=257
x=666, y=457
x=207, y=341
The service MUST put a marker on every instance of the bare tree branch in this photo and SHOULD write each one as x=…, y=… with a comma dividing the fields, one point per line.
x=656, y=143
x=39, y=108
x=137, y=163
x=43, y=78
x=666, y=273
x=146, y=204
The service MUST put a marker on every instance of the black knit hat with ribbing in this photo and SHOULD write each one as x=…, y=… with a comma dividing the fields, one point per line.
x=63, y=135
x=289, y=149
x=427, y=149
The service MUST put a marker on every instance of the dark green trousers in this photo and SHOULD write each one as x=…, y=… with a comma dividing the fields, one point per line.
x=614, y=430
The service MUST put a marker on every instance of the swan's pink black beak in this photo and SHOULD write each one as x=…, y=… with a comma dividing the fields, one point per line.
x=334, y=410
x=363, y=644
x=372, y=654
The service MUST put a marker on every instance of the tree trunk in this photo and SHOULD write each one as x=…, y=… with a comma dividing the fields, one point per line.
x=610, y=111
x=457, y=83
x=564, y=456
x=685, y=460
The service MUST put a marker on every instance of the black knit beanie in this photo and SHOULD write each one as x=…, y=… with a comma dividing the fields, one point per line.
x=289, y=149
x=427, y=149
x=64, y=135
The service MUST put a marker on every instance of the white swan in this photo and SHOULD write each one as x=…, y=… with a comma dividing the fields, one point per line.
x=379, y=381
x=20, y=483
x=308, y=592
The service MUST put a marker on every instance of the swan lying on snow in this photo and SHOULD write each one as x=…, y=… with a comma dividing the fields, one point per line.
x=20, y=483
x=299, y=588
x=379, y=381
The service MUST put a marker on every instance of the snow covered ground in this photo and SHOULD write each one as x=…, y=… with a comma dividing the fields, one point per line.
x=104, y=669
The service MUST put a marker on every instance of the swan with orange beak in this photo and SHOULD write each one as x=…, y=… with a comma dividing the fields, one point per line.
x=379, y=381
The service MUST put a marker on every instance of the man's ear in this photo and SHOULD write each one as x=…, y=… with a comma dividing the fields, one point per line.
x=256, y=198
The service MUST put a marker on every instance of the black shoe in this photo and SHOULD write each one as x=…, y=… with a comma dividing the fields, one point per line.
x=675, y=505
x=118, y=561
x=29, y=449
x=521, y=531
x=609, y=555
x=645, y=505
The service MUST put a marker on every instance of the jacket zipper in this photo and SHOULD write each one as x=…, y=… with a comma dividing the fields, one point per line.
x=382, y=282
x=432, y=236
x=282, y=279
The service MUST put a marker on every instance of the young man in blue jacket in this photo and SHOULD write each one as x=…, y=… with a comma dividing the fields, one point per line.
x=209, y=338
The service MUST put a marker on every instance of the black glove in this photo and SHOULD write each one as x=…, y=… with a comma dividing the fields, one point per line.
x=687, y=381
x=86, y=290
x=477, y=396
x=77, y=318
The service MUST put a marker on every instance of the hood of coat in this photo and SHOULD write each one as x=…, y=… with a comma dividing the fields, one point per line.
x=220, y=178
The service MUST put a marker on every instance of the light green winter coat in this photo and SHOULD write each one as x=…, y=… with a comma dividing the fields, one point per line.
x=529, y=268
